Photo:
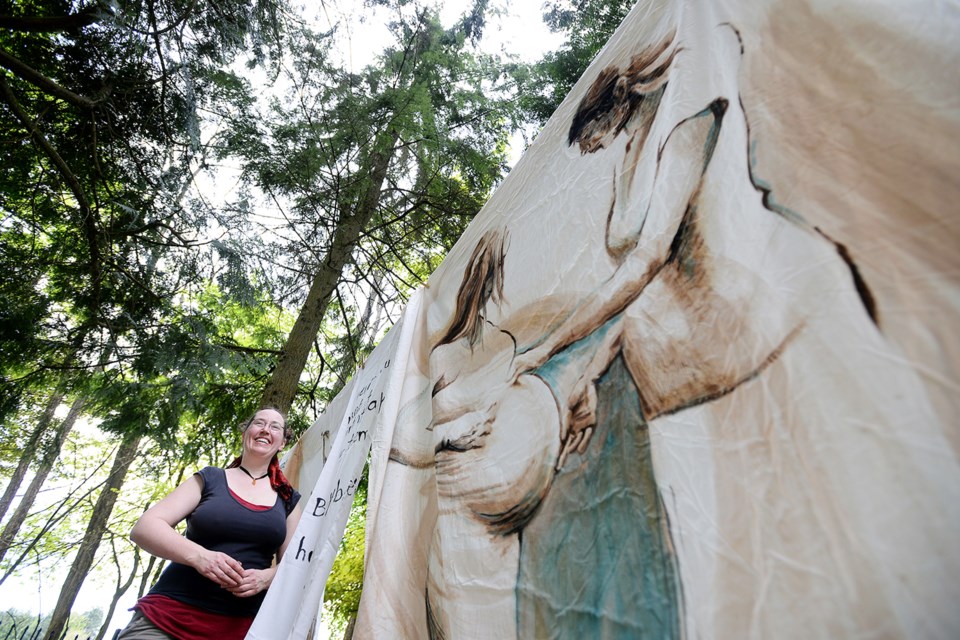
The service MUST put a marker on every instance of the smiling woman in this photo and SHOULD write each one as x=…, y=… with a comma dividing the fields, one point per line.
x=236, y=527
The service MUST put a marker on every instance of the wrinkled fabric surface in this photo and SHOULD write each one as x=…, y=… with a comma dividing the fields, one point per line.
x=693, y=371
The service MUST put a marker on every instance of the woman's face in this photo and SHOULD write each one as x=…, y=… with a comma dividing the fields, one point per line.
x=264, y=435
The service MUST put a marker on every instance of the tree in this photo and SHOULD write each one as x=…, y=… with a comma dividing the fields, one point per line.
x=27, y=453
x=375, y=174
x=101, y=104
x=123, y=585
x=118, y=293
x=47, y=532
x=48, y=457
x=21, y=624
x=100, y=107
x=14, y=622
x=91, y=538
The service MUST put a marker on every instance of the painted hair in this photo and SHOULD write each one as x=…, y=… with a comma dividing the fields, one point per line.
x=617, y=95
x=482, y=283
x=278, y=481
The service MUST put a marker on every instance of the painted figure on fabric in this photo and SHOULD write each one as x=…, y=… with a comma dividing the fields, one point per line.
x=671, y=406
x=490, y=475
x=531, y=430
x=670, y=234
x=695, y=309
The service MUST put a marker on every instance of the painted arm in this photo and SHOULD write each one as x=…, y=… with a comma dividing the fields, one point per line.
x=154, y=533
x=681, y=163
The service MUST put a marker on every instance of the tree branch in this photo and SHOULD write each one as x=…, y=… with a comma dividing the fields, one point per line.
x=41, y=81
x=235, y=347
x=170, y=27
x=72, y=182
x=152, y=226
x=46, y=24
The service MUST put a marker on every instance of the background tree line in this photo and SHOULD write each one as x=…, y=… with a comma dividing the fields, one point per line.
x=137, y=297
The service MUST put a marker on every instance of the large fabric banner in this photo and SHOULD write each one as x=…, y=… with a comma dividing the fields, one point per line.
x=694, y=370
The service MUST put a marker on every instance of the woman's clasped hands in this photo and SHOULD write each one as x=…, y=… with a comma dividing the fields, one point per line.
x=253, y=582
x=219, y=567
x=230, y=574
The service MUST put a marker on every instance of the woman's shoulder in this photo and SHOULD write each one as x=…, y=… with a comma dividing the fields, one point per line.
x=289, y=504
x=212, y=476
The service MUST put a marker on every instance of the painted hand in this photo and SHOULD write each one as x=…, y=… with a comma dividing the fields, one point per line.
x=527, y=361
x=582, y=420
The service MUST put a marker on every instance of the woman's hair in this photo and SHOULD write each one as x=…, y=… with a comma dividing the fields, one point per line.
x=278, y=481
x=482, y=282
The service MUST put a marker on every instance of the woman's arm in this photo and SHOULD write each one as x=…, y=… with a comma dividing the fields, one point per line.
x=292, y=521
x=257, y=580
x=155, y=534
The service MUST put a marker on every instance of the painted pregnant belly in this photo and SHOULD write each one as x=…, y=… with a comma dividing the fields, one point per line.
x=501, y=470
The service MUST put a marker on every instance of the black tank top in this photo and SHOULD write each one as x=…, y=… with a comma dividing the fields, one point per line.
x=221, y=523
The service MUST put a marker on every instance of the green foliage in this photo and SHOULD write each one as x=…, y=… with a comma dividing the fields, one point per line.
x=101, y=107
x=345, y=584
x=108, y=294
x=167, y=310
x=410, y=147
x=202, y=367
x=587, y=24
x=15, y=622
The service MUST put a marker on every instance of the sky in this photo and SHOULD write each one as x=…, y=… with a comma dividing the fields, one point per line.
x=519, y=31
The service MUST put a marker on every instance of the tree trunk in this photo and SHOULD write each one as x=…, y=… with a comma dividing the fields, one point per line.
x=145, y=581
x=50, y=455
x=30, y=449
x=42, y=82
x=121, y=589
x=282, y=387
x=91, y=538
x=348, y=634
x=60, y=511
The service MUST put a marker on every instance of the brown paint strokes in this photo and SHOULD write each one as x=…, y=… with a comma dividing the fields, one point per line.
x=615, y=98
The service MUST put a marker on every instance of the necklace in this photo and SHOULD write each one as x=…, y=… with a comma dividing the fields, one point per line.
x=251, y=475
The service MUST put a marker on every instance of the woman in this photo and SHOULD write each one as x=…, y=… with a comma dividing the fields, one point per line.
x=236, y=525
x=470, y=365
x=722, y=299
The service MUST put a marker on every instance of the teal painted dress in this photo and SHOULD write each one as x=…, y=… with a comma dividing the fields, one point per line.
x=596, y=561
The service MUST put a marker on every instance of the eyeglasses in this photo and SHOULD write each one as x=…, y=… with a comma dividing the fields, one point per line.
x=259, y=423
